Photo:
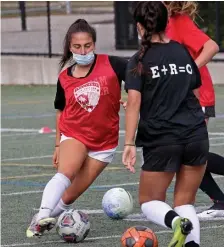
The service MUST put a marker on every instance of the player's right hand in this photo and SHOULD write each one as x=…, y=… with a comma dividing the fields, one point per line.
x=55, y=158
x=129, y=158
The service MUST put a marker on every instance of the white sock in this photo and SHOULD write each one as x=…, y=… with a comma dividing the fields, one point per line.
x=52, y=194
x=188, y=211
x=157, y=211
x=61, y=207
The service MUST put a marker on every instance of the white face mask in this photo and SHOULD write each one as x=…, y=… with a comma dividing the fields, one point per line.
x=139, y=36
x=84, y=59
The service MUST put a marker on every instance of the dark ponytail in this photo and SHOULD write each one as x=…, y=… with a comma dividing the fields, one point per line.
x=153, y=16
x=79, y=25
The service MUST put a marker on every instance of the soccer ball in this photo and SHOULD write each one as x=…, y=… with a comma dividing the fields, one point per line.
x=139, y=236
x=117, y=203
x=73, y=226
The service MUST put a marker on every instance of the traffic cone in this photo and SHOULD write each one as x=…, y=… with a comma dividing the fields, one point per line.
x=45, y=130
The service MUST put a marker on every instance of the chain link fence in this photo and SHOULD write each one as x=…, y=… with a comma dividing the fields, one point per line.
x=38, y=28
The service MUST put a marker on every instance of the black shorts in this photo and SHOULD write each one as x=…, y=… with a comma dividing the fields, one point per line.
x=170, y=158
x=209, y=111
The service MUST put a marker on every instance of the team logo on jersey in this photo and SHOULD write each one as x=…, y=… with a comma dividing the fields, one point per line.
x=88, y=95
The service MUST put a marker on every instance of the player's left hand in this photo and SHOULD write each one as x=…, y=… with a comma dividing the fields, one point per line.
x=129, y=158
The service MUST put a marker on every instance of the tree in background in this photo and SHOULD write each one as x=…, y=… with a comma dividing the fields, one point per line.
x=207, y=20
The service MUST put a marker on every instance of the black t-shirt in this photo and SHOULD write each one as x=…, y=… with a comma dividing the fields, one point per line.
x=170, y=113
x=118, y=64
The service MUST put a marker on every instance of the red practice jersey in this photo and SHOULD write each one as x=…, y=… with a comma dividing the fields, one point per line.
x=183, y=30
x=91, y=111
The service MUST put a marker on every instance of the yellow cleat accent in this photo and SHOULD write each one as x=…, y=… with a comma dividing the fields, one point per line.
x=182, y=227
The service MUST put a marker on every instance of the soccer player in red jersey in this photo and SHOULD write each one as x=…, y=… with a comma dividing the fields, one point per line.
x=202, y=48
x=87, y=122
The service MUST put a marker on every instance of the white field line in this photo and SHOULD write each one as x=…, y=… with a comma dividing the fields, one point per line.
x=141, y=217
x=53, y=136
x=20, y=134
x=28, y=158
x=201, y=219
x=21, y=130
x=105, y=186
x=100, y=237
x=133, y=216
x=120, y=132
x=40, y=191
x=46, y=156
x=87, y=211
x=23, y=193
x=216, y=138
x=50, y=155
x=216, y=133
x=216, y=144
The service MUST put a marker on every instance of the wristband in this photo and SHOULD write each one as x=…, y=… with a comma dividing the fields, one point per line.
x=131, y=145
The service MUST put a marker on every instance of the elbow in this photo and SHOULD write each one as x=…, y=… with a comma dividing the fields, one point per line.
x=211, y=47
x=58, y=113
x=214, y=47
x=217, y=48
x=133, y=105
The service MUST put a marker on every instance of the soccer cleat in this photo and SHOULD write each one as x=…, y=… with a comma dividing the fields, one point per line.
x=182, y=227
x=217, y=210
x=37, y=228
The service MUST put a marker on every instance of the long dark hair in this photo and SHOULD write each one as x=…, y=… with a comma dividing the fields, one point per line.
x=79, y=25
x=153, y=16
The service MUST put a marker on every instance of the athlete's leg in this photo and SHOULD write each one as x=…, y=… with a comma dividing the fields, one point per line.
x=188, y=180
x=208, y=185
x=187, y=183
x=91, y=169
x=159, y=169
x=72, y=156
x=215, y=164
x=85, y=177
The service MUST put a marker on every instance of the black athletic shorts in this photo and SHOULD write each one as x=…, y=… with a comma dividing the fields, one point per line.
x=170, y=158
x=209, y=111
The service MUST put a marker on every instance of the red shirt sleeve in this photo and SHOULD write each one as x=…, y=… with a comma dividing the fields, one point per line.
x=191, y=36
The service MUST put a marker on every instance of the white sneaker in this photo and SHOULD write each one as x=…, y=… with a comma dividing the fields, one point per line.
x=37, y=228
x=217, y=210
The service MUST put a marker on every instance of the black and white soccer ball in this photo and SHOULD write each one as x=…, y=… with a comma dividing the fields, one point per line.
x=73, y=226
